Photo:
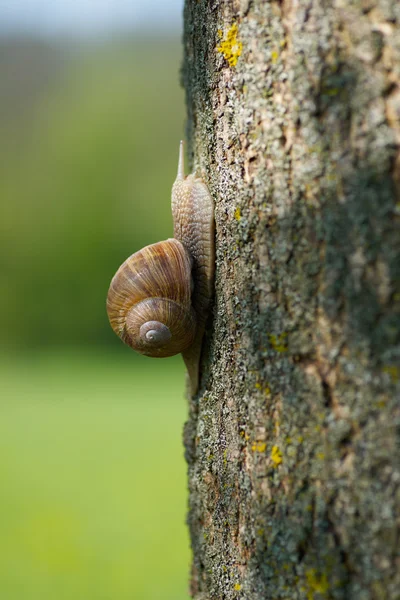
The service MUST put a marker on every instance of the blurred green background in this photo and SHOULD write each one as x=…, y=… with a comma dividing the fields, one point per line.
x=93, y=480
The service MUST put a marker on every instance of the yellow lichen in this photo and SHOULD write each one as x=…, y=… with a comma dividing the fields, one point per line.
x=237, y=587
x=230, y=46
x=380, y=403
x=393, y=372
x=274, y=56
x=316, y=583
x=278, y=342
x=259, y=446
x=276, y=456
x=331, y=91
x=237, y=214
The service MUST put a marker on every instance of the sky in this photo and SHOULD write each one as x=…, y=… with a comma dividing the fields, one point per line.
x=88, y=17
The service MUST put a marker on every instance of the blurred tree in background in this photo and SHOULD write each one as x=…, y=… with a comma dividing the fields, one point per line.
x=91, y=458
x=85, y=176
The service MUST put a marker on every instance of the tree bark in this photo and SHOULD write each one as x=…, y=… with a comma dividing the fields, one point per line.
x=292, y=442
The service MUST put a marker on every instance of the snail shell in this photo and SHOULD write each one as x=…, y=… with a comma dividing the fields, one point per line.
x=159, y=299
x=149, y=304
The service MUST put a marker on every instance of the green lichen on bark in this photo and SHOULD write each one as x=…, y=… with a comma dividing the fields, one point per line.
x=292, y=444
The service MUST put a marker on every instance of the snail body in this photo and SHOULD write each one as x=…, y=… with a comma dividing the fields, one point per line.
x=159, y=299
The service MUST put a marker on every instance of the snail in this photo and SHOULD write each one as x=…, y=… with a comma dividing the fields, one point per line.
x=159, y=299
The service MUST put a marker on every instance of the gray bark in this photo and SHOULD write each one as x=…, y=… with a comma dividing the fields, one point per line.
x=292, y=442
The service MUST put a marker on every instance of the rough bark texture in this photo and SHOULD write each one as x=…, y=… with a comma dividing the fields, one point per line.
x=292, y=443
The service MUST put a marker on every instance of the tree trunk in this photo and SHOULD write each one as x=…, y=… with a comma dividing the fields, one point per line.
x=294, y=123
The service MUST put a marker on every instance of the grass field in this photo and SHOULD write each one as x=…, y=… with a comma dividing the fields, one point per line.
x=93, y=480
x=92, y=476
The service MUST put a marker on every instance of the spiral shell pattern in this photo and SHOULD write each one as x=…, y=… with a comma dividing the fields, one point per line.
x=149, y=300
